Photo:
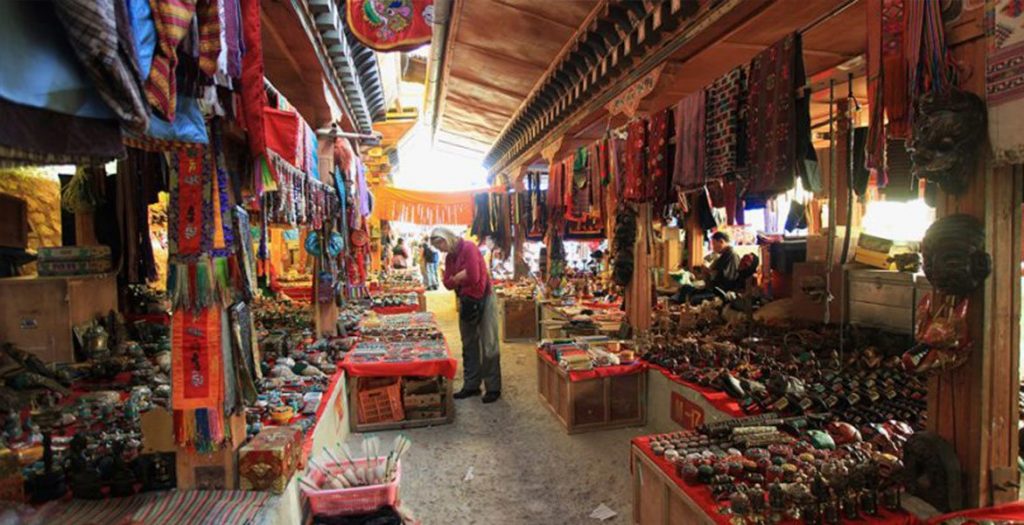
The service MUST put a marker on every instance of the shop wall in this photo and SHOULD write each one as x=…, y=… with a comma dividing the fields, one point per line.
x=41, y=191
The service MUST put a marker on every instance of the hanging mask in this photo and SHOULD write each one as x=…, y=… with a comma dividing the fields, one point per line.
x=948, y=130
x=954, y=255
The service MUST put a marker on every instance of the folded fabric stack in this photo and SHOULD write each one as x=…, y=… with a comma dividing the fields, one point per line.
x=73, y=260
x=572, y=358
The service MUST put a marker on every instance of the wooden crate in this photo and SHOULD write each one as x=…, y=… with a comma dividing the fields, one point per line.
x=37, y=314
x=446, y=417
x=657, y=500
x=519, y=320
x=884, y=299
x=216, y=471
x=594, y=404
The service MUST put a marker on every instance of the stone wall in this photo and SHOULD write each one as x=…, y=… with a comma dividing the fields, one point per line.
x=41, y=190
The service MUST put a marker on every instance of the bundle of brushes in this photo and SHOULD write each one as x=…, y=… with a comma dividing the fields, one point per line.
x=345, y=471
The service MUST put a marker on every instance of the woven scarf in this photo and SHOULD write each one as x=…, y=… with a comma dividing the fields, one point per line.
x=92, y=27
x=173, y=20
x=724, y=138
x=688, y=172
x=636, y=162
x=1004, y=80
x=197, y=378
x=658, y=175
x=771, y=116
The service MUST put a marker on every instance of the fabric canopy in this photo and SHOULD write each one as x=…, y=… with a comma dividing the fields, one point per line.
x=423, y=207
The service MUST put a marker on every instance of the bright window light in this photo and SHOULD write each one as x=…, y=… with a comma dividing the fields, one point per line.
x=424, y=167
x=898, y=221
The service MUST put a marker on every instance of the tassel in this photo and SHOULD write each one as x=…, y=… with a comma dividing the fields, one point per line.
x=203, y=284
x=222, y=280
x=203, y=442
x=217, y=433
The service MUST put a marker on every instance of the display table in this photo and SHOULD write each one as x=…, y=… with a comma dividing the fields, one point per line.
x=598, y=399
x=401, y=360
x=331, y=427
x=673, y=403
x=394, y=310
x=661, y=497
x=519, y=320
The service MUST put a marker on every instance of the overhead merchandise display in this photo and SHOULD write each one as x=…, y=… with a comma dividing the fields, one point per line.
x=226, y=371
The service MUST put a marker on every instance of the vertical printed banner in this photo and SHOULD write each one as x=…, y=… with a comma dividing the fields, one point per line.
x=391, y=25
x=197, y=359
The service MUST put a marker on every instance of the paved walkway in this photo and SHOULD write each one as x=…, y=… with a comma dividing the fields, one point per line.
x=525, y=468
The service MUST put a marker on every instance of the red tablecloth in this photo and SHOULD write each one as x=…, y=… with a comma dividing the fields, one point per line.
x=718, y=399
x=1008, y=513
x=303, y=292
x=701, y=495
x=393, y=310
x=307, y=442
x=434, y=367
x=599, y=372
x=601, y=306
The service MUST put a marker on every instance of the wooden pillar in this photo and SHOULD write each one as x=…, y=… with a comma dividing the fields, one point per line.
x=694, y=241
x=638, y=293
x=519, y=267
x=975, y=406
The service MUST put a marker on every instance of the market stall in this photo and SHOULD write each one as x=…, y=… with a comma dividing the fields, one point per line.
x=400, y=374
x=592, y=384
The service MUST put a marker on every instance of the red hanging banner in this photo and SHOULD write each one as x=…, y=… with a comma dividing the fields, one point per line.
x=197, y=360
x=391, y=25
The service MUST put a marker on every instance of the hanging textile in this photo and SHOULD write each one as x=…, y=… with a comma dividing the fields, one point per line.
x=27, y=137
x=636, y=162
x=173, y=19
x=423, y=207
x=658, y=168
x=724, y=136
x=579, y=187
x=1005, y=80
x=391, y=25
x=190, y=229
x=197, y=378
x=254, y=96
x=778, y=121
x=94, y=28
x=894, y=45
x=688, y=171
x=480, y=226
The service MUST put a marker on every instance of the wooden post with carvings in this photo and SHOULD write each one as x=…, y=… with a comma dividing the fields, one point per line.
x=975, y=406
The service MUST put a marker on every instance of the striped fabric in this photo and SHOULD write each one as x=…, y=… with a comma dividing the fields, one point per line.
x=209, y=13
x=172, y=19
x=202, y=507
x=92, y=29
x=190, y=507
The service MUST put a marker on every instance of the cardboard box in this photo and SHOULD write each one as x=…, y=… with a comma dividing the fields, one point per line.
x=270, y=459
x=817, y=246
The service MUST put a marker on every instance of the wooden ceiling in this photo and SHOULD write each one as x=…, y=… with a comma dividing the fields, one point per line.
x=291, y=62
x=831, y=45
x=496, y=52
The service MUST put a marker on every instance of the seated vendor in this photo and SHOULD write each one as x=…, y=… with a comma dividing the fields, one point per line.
x=723, y=274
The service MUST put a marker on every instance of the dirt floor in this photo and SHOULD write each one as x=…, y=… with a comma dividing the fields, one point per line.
x=525, y=468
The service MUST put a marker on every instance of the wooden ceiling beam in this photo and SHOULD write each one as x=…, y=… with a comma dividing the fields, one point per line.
x=534, y=14
x=490, y=53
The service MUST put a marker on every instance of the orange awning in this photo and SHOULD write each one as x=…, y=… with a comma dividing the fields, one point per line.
x=423, y=207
